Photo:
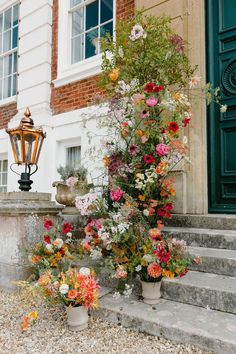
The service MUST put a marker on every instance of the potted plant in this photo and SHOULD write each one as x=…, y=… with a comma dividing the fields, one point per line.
x=73, y=183
x=77, y=290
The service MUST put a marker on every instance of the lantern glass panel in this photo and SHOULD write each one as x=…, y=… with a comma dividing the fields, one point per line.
x=16, y=141
x=30, y=141
x=40, y=143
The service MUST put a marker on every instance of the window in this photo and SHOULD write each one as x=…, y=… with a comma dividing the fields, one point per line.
x=8, y=51
x=91, y=20
x=3, y=175
x=73, y=156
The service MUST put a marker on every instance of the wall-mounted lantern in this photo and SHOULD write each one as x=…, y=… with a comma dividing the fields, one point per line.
x=26, y=142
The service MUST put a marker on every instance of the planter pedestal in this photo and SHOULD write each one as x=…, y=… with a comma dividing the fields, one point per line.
x=77, y=318
x=151, y=292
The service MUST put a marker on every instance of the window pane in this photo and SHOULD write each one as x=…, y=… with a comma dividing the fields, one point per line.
x=77, y=49
x=73, y=156
x=15, y=37
x=14, y=85
x=1, y=22
x=7, y=19
x=92, y=15
x=77, y=22
x=7, y=87
x=4, y=165
x=75, y=2
x=107, y=28
x=92, y=43
x=4, y=179
x=15, y=15
x=7, y=41
x=106, y=10
x=15, y=62
x=1, y=67
x=8, y=65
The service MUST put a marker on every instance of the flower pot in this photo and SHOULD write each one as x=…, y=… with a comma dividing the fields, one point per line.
x=66, y=194
x=77, y=318
x=151, y=292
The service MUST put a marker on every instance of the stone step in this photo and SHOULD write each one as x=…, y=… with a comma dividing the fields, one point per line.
x=210, y=238
x=208, y=329
x=209, y=221
x=217, y=292
x=217, y=261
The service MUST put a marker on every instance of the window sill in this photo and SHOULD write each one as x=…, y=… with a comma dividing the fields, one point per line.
x=76, y=72
x=7, y=101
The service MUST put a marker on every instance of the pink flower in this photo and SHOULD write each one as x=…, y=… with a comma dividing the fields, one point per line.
x=48, y=224
x=144, y=114
x=137, y=98
x=133, y=150
x=116, y=195
x=121, y=273
x=71, y=181
x=162, y=149
x=144, y=139
x=151, y=102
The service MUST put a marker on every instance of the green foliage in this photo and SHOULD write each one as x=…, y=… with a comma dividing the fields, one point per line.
x=68, y=171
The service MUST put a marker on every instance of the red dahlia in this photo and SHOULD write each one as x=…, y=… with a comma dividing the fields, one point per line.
x=149, y=87
x=173, y=126
x=149, y=159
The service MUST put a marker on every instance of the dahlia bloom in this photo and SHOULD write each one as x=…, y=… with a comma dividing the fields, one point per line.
x=116, y=195
x=162, y=149
x=154, y=270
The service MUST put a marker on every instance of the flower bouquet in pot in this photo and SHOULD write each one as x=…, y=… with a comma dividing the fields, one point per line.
x=73, y=182
x=77, y=290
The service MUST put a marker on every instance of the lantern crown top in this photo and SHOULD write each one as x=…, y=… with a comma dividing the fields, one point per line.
x=26, y=121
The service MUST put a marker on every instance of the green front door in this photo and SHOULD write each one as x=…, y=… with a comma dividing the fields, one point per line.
x=221, y=69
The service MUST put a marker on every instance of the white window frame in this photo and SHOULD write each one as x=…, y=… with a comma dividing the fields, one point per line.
x=67, y=72
x=2, y=158
x=4, y=6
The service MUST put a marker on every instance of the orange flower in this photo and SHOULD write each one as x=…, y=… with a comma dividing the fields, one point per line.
x=114, y=74
x=36, y=259
x=140, y=132
x=151, y=211
x=106, y=161
x=72, y=294
x=86, y=247
x=155, y=234
x=168, y=274
x=45, y=279
x=25, y=323
x=141, y=197
x=160, y=224
x=33, y=315
x=154, y=270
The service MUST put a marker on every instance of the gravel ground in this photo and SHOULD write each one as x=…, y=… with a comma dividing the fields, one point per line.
x=50, y=335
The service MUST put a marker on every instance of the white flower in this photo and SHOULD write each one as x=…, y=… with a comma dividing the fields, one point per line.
x=109, y=56
x=145, y=212
x=128, y=290
x=223, y=108
x=58, y=243
x=185, y=139
x=114, y=229
x=123, y=227
x=147, y=258
x=123, y=87
x=120, y=52
x=137, y=32
x=69, y=234
x=95, y=254
x=84, y=203
x=140, y=176
x=49, y=247
x=116, y=295
x=84, y=271
x=138, y=268
x=194, y=81
x=64, y=288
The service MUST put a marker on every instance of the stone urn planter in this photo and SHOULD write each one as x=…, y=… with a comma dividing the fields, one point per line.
x=151, y=292
x=77, y=318
x=66, y=194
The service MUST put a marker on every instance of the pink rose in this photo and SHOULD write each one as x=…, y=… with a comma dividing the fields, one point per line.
x=116, y=195
x=151, y=102
x=162, y=149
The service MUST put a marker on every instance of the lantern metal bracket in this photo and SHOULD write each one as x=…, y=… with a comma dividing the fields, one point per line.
x=25, y=181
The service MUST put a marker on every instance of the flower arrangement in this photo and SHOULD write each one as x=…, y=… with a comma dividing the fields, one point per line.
x=72, y=176
x=72, y=288
x=54, y=249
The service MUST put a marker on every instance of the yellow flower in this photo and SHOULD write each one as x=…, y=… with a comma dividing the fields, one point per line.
x=106, y=161
x=168, y=274
x=114, y=74
x=177, y=96
x=33, y=315
x=141, y=197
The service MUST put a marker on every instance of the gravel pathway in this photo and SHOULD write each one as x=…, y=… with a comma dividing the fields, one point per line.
x=50, y=335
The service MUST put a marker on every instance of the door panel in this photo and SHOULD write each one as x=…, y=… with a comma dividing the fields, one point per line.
x=221, y=68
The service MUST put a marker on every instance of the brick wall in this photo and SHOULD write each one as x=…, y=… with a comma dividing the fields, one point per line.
x=6, y=113
x=85, y=92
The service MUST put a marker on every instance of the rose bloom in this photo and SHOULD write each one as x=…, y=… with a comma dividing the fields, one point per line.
x=149, y=159
x=155, y=234
x=116, y=195
x=114, y=74
x=66, y=227
x=173, y=126
x=162, y=149
x=154, y=270
x=149, y=87
x=63, y=289
x=48, y=224
x=133, y=150
x=47, y=239
x=72, y=294
x=71, y=181
x=152, y=101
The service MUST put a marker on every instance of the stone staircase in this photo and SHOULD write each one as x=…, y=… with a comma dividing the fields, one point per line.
x=199, y=308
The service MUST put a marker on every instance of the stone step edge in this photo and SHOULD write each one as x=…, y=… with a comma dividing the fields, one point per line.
x=124, y=314
x=196, y=230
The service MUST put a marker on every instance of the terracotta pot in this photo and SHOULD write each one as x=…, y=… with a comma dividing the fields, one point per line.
x=66, y=194
x=151, y=292
x=77, y=318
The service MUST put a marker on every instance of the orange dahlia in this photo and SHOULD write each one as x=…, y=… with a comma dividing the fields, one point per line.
x=154, y=270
